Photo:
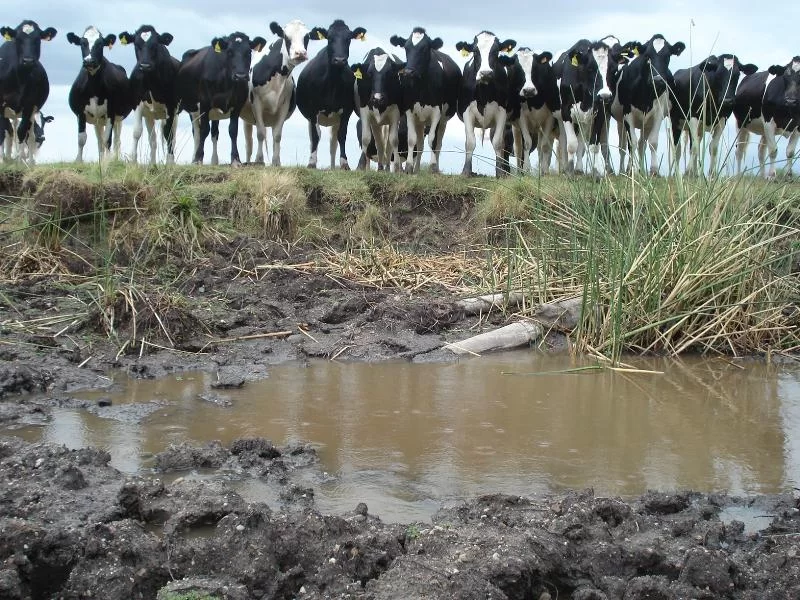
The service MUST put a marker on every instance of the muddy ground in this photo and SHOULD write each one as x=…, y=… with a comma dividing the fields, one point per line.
x=71, y=526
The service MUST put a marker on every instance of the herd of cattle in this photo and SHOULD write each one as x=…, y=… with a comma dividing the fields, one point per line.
x=535, y=99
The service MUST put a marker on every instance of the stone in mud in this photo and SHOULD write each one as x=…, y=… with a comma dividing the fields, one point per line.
x=184, y=457
x=343, y=310
x=207, y=588
x=71, y=478
x=229, y=377
x=707, y=569
x=16, y=379
x=254, y=447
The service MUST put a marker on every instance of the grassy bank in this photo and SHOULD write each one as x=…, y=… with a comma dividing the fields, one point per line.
x=668, y=266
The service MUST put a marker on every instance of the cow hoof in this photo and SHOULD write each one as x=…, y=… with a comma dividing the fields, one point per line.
x=435, y=169
x=345, y=167
x=276, y=163
x=466, y=172
x=311, y=166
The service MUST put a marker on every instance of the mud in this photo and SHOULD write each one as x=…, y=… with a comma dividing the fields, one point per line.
x=73, y=527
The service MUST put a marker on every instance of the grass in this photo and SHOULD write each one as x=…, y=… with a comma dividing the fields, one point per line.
x=664, y=265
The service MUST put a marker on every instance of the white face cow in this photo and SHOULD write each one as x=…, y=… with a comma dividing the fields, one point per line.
x=295, y=35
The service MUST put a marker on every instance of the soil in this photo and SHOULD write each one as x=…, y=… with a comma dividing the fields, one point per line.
x=71, y=526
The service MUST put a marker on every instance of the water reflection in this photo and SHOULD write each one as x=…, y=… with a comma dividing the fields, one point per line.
x=404, y=433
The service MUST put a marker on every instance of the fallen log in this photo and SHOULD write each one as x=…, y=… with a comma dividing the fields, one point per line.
x=511, y=336
x=483, y=304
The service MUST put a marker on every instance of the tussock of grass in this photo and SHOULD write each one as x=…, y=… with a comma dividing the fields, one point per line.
x=268, y=201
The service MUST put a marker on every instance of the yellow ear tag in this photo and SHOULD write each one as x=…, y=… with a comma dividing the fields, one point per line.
x=358, y=74
x=361, y=36
x=217, y=47
x=636, y=52
x=7, y=37
x=123, y=40
x=320, y=35
x=464, y=52
x=574, y=61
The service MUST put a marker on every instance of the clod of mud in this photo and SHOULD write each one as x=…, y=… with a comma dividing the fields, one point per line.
x=198, y=587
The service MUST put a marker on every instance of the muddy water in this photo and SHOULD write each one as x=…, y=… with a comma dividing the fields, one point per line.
x=405, y=437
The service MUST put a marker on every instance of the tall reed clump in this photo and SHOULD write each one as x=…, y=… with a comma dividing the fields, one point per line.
x=666, y=265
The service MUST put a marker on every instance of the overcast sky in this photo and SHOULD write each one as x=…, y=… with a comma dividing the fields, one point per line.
x=734, y=26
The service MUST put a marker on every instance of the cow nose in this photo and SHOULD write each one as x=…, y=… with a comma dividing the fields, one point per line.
x=240, y=76
x=485, y=74
x=377, y=96
x=145, y=66
x=299, y=55
x=529, y=91
x=658, y=79
x=339, y=61
x=28, y=60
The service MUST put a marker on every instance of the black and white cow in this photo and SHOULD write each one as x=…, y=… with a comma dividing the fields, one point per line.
x=101, y=93
x=272, y=88
x=379, y=98
x=35, y=136
x=587, y=77
x=430, y=82
x=152, y=84
x=213, y=84
x=768, y=103
x=646, y=86
x=533, y=110
x=325, y=89
x=704, y=98
x=24, y=86
x=485, y=94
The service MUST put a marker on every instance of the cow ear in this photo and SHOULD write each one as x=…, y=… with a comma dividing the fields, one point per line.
x=748, y=69
x=507, y=60
x=464, y=47
x=319, y=33
x=258, y=43
x=545, y=57
x=219, y=44
x=73, y=39
x=48, y=119
x=709, y=64
x=110, y=40
x=165, y=38
x=49, y=33
x=8, y=33
x=437, y=43
x=359, y=33
x=125, y=38
x=276, y=29
x=776, y=70
x=396, y=40
x=508, y=46
x=678, y=48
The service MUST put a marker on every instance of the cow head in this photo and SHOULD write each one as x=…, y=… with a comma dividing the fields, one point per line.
x=295, y=37
x=238, y=50
x=339, y=37
x=418, y=47
x=532, y=65
x=39, y=121
x=28, y=39
x=722, y=73
x=149, y=46
x=377, y=79
x=658, y=52
x=791, y=82
x=486, y=51
x=597, y=74
x=92, y=44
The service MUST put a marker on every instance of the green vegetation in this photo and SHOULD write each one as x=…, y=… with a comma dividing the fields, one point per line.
x=664, y=265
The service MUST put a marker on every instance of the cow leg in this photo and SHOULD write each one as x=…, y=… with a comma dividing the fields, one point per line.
x=382, y=144
x=652, y=143
x=137, y=131
x=742, y=139
x=214, y=129
x=341, y=139
x=168, y=131
x=277, y=135
x=261, y=132
x=117, y=125
x=713, y=149
x=233, y=132
x=6, y=137
x=622, y=136
x=570, y=143
x=603, y=140
x=791, y=147
x=203, y=128
x=435, y=139
x=81, y=137
x=772, y=146
x=762, y=156
x=313, y=134
x=393, y=144
x=469, y=143
x=366, y=138
x=597, y=165
x=152, y=139
x=694, y=147
x=196, y=127
x=545, y=145
x=500, y=169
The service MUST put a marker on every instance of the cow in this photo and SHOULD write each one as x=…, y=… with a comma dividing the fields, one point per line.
x=100, y=94
x=212, y=84
x=704, y=98
x=768, y=103
x=485, y=94
x=378, y=97
x=646, y=86
x=587, y=77
x=534, y=108
x=372, y=148
x=430, y=81
x=325, y=89
x=272, y=88
x=24, y=86
x=152, y=84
